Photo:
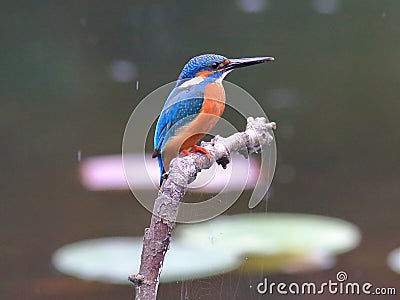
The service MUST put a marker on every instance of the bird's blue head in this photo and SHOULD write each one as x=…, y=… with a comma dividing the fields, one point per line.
x=215, y=67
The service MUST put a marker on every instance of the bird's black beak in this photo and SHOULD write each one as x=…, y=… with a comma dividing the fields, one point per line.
x=244, y=62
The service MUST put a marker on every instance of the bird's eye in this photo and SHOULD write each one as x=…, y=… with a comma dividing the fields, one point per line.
x=214, y=65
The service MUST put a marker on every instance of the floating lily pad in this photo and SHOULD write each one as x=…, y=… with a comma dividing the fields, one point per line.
x=106, y=172
x=273, y=241
x=394, y=260
x=112, y=259
x=290, y=263
x=272, y=234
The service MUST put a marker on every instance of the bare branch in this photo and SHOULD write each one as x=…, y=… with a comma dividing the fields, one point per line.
x=183, y=171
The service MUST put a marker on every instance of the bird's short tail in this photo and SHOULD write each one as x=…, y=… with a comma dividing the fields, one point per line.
x=157, y=154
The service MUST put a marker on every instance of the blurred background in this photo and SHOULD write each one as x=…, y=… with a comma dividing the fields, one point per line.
x=73, y=71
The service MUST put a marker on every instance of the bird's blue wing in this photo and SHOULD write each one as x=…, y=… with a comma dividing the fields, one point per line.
x=181, y=107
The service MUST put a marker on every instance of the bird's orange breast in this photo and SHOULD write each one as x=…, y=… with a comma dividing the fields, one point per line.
x=214, y=99
x=189, y=135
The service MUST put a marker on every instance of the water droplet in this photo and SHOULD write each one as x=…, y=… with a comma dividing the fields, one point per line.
x=211, y=237
x=252, y=6
x=327, y=7
x=123, y=71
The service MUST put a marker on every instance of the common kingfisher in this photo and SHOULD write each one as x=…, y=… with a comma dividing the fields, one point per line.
x=194, y=106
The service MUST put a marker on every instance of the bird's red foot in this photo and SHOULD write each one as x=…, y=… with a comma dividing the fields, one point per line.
x=195, y=149
x=202, y=150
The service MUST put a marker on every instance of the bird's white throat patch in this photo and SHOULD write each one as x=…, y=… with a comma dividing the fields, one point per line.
x=199, y=79
x=191, y=82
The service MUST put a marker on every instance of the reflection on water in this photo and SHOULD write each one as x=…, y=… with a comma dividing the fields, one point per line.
x=106, y=172
x=123, y=71
x=65, y=95
x=252, y=6
x=326, y=6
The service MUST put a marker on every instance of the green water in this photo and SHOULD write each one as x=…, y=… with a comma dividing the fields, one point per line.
x=333, y=90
